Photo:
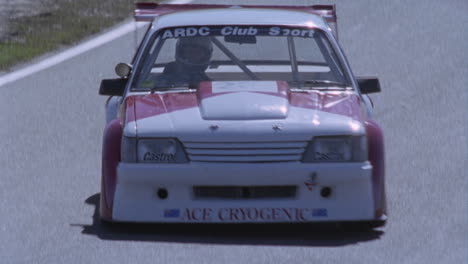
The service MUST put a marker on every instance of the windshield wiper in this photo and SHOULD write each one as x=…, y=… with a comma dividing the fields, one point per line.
x=167, y=88
x=319, y=83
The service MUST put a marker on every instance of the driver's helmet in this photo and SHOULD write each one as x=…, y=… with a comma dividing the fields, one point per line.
x=194, y=52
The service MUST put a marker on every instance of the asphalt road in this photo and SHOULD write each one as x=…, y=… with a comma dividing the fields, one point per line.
x=52, y=124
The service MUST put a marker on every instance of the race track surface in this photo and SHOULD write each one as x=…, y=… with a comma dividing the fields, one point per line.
x=52, y=124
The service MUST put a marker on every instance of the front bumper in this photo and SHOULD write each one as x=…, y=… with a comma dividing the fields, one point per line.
x=136, y=196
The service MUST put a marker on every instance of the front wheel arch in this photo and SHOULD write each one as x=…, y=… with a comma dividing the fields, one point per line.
x=110, y=160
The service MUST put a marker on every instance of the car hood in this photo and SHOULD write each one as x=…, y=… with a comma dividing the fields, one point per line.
x=244, y=111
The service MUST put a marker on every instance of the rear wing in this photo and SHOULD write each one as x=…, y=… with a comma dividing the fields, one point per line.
x=149, y=11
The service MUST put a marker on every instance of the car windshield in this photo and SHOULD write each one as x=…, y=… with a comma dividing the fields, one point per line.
x=185, y=56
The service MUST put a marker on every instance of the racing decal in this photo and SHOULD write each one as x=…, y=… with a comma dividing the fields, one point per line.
x=129, y=114
x=345, y=104
x=198, y=214
x=277, y=31
x=237, y=31
x=312, y=182
x=156, y=104
x=171, y=213
x=186, y=32
x=319, y=212
x=252, y=214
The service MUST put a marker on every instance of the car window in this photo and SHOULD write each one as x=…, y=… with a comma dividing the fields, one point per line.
x=186, y=56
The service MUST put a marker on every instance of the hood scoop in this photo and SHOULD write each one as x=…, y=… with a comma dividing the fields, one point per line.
x=243, y=100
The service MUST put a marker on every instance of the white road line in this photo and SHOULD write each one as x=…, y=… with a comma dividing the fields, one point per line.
x=75, y=51
x=70, y=53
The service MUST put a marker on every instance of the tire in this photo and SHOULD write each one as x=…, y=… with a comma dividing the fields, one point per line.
x=108, y=224
x=363, y=225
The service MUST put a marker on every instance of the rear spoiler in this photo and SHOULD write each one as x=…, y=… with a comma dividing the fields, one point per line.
x=148, y=11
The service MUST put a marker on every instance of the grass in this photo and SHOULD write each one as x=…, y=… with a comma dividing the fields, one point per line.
x=64, y=23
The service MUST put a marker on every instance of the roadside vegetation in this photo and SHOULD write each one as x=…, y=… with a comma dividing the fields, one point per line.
x=58, y=24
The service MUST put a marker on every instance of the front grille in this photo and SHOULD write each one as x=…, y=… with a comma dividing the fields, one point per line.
x=244, y=192
x=283, y=151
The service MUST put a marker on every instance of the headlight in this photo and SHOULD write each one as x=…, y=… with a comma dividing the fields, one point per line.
x=336, y=149
x=160, y=151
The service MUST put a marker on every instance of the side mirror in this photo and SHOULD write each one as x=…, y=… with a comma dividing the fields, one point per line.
x=369, y=84
x=123, y=69
x=113, y=87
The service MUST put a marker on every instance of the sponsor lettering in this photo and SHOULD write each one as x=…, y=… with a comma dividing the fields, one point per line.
x=336, y=156
x=186, y=32
x=151, y=156
x=277, y=31
x=197, y=214
x=237, y=31
x=253, y=214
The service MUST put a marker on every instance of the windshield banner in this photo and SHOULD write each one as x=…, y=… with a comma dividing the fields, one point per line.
x=237, y=31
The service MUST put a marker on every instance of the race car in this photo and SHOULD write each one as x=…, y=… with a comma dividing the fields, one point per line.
x=241, y=114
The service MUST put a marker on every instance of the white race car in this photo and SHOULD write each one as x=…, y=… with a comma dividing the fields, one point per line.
x=241, y=114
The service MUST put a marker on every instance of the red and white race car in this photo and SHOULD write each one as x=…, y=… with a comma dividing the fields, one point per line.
x=241, y=114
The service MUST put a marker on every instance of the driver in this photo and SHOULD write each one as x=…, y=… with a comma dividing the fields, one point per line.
x=192, y=58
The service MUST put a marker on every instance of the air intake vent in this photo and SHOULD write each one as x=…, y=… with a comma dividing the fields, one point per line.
x=284, y=151
x=244, y=192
